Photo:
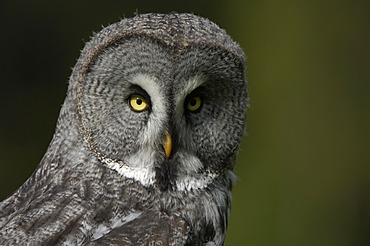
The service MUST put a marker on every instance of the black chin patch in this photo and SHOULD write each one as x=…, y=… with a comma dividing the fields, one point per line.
x=165, y=175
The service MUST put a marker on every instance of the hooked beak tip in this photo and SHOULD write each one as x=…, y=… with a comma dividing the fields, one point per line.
x=167, y=144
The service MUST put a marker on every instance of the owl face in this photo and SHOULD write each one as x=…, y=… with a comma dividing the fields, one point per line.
x=164, y=115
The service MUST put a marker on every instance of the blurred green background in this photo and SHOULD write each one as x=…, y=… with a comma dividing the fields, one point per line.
x=304, y=176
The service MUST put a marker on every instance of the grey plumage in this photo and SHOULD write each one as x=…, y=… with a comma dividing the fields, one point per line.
x=106, y=178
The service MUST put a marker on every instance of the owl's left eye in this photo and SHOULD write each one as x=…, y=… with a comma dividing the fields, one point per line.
x=138, y=103
x=194, y=104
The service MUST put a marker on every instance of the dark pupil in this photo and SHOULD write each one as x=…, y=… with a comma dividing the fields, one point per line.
x=139, y=101
x=193, y=102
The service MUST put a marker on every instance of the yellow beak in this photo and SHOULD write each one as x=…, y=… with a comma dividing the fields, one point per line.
x=167, y=144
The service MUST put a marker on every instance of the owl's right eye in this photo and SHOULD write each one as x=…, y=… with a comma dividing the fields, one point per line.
x=138, y=103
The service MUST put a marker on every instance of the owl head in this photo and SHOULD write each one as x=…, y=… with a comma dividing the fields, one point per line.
x=162, y=99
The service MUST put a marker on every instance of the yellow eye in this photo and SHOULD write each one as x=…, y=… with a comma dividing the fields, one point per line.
x=138, y=103
x=194, y=104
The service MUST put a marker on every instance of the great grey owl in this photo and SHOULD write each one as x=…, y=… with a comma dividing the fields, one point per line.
x=145, y=143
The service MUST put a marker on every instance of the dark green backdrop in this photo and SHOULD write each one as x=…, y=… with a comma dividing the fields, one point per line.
x=304, y=166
